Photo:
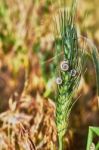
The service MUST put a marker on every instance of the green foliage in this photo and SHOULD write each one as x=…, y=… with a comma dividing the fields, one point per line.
x=93, y=132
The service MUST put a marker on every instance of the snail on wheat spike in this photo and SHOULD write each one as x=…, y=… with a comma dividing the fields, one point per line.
x=70, y=66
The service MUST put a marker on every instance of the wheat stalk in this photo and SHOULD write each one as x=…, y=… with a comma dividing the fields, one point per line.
x=69, y=69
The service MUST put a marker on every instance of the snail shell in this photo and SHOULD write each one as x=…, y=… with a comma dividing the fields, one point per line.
x=73, y=72
x=64, y=66
x=92, y=146
x=58, y=80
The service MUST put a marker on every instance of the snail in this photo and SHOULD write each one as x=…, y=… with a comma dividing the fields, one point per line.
x=58, y=80
x=64, y=66
x=73, y=72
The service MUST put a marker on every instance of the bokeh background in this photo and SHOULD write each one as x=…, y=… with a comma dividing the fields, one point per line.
x=27, y=108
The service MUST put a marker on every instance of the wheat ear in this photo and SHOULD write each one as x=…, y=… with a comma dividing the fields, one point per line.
x=69, y=68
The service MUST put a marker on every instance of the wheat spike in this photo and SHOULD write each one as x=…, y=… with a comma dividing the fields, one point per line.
x=69, y=75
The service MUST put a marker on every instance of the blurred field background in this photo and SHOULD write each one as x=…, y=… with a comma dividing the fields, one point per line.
x=27, y=109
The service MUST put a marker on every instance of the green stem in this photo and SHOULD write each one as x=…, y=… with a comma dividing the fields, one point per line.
x=60, y=142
